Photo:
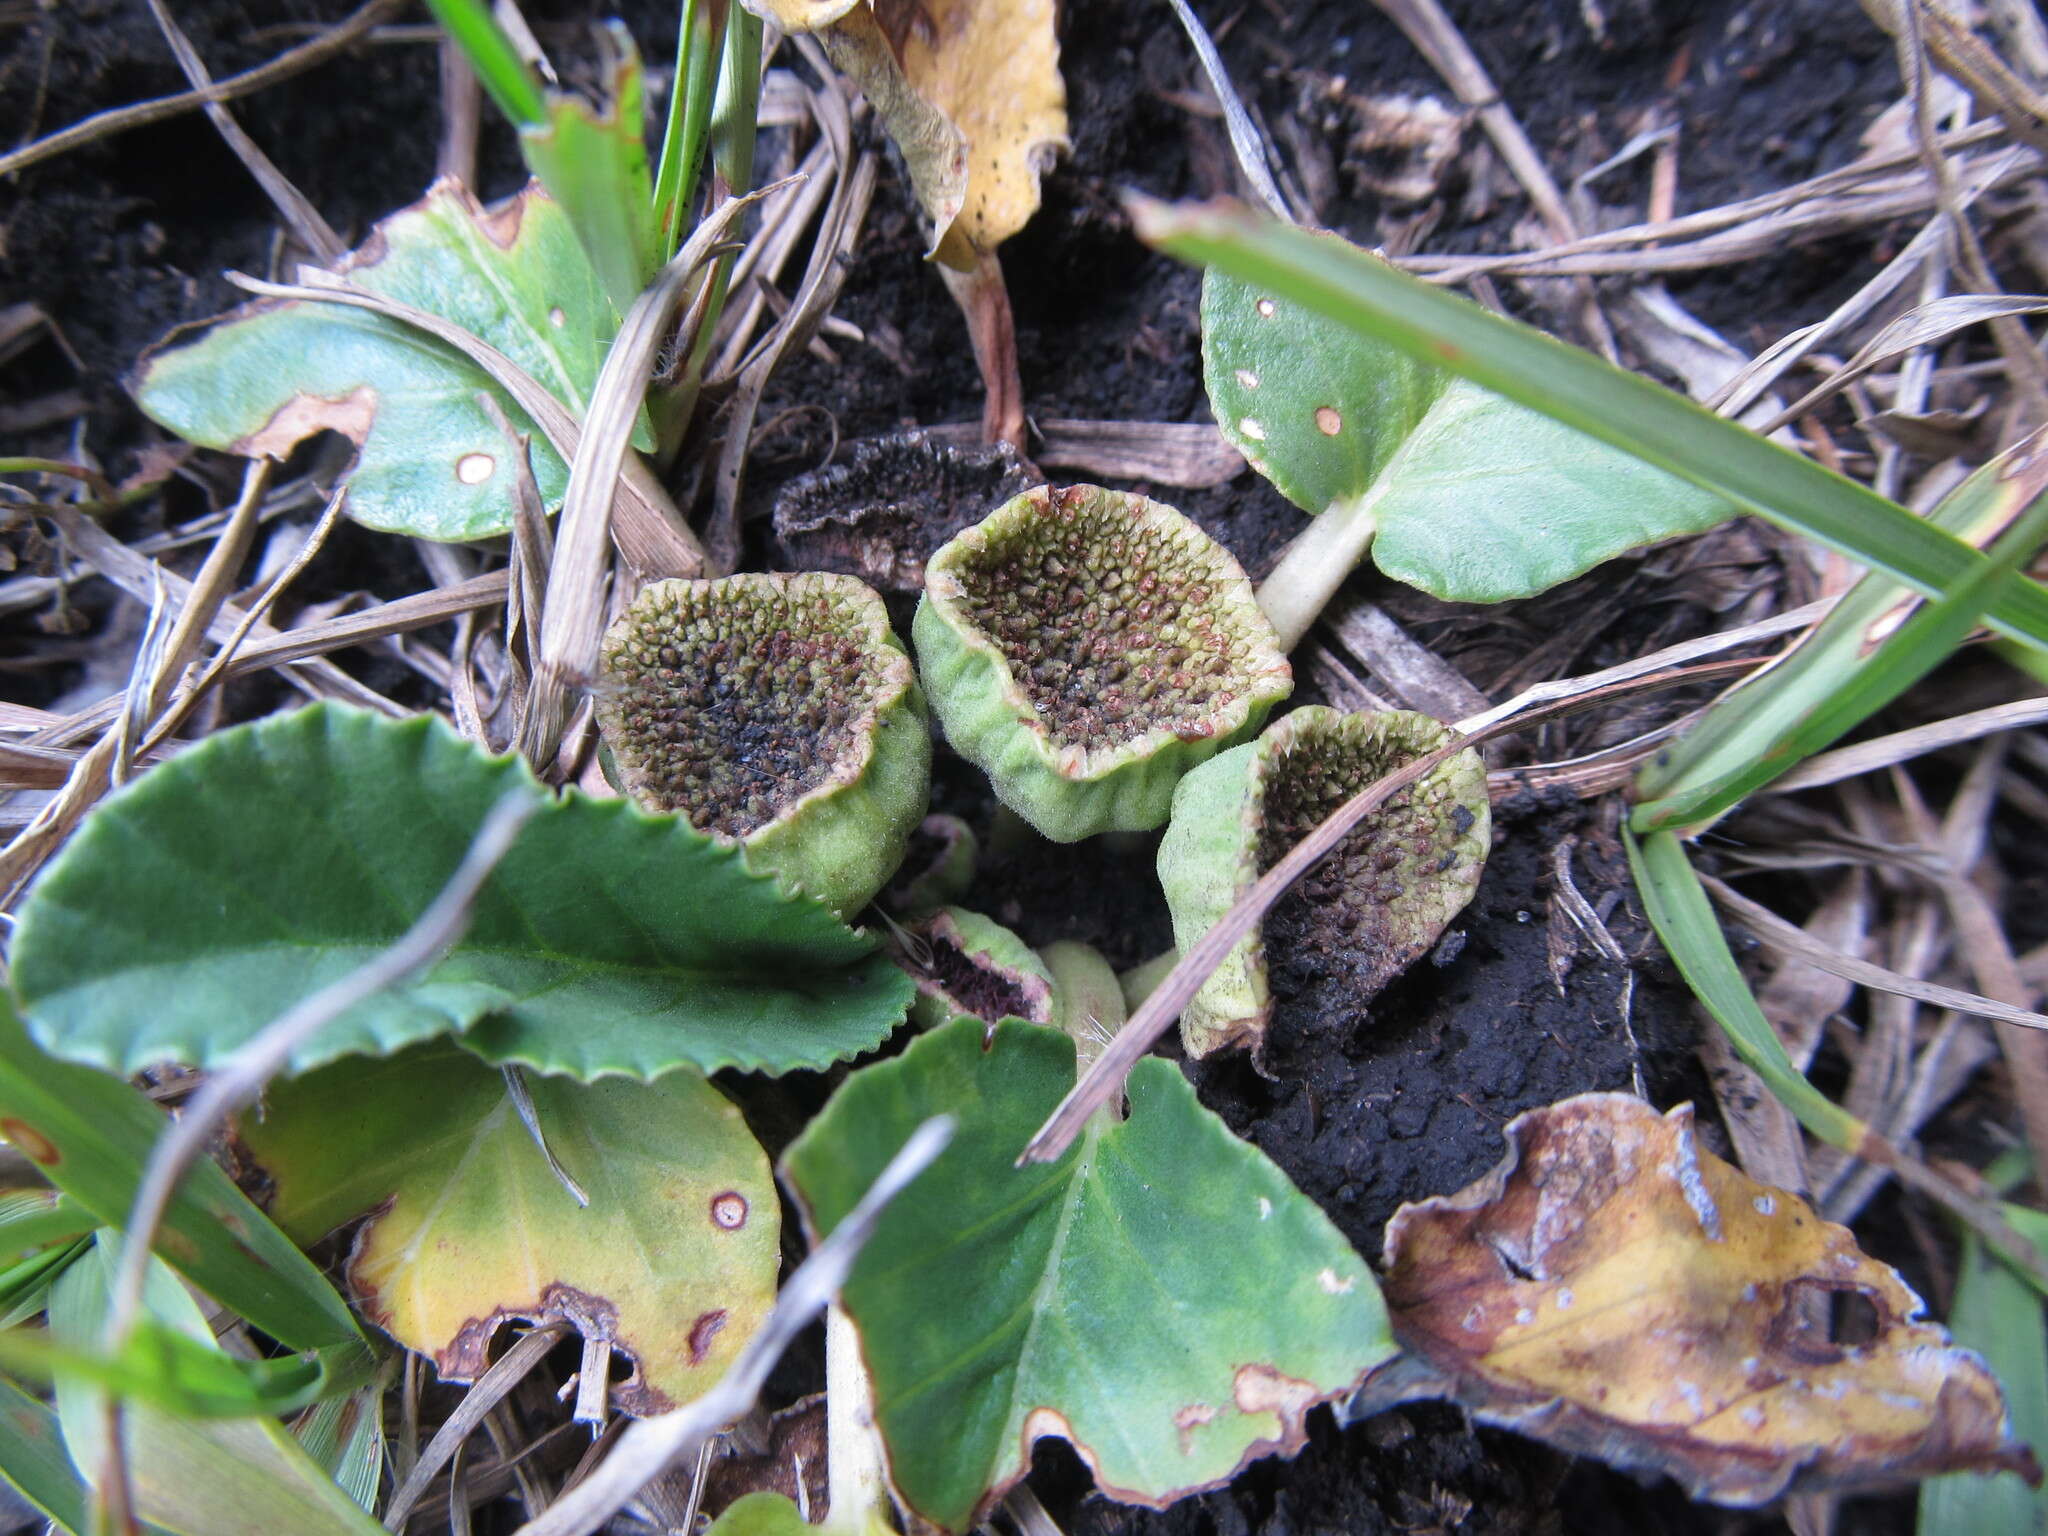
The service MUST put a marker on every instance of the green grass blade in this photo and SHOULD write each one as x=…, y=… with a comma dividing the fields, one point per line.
x=25, y=1284
x=30, y=1218
x=735, y=115
x=1678, y=909
x=1834, y=682
x=700, y=41
x=513, y=86
x=1998, y=1314
x=1631, y=413
x=91, y=1135
x=35, y=1464
x=594, y=163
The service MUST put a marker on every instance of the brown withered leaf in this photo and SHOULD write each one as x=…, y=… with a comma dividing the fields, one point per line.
x=970, y=90
x=1614, y=1290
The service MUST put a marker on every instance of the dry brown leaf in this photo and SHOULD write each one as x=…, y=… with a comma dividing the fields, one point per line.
x=970, y=90
x=1614, y=1290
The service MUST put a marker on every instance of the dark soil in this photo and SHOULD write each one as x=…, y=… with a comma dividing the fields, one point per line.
x=1365, y=1107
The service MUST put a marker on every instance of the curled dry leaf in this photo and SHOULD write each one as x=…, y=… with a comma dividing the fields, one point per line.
x=970, y=90
x=1613, y=1290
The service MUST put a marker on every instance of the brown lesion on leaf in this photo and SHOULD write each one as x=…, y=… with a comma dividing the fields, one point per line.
x=303, y=415
x=467, y=1354
x=702, y=1332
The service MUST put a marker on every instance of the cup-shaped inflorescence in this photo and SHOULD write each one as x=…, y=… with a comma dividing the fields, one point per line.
x=778, y=712
x=1087, y=648
x=1368, y=910
x=967, y=965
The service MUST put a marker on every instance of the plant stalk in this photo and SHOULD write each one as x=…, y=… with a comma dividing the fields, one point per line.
x=856, y=1483
x=1314, y=566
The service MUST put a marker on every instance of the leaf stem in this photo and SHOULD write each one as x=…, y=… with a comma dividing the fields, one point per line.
x=1314, y=566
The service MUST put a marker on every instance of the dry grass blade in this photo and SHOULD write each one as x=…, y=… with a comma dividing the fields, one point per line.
x=137, y=575
x=1903, y=746
x=164, y=656
x=398, y=617
x=217, y=669
x=651, y=1446
x=573, y=621
x=489, y=1390
x=1790, y=939
x=852, y=187
x=1564, y=689
x=342, y=36
x=1254, y=156
x=1786, y=218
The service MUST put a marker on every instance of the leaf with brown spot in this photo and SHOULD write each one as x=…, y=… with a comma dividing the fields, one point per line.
x=1460, y=491
x=434, y=462
x=1161, y=1297
x=673, y=1261
x=970, y=90
x=1613, y=1290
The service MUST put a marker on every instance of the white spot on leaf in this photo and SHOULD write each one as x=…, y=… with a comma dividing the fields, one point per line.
x=1252, y=430
x=475, y=468
x=1329, y=421
x=1247, y=378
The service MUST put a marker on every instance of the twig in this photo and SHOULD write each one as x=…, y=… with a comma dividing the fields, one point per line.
x=314, y=232
x=489, y=1390
x=651, y=1446
x=1253, y=157
x=1790, y=939
x=120, y=119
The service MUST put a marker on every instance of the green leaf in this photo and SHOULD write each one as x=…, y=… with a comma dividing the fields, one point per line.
x=593, y=161
x=197, y=1477
x=1678, y=909
x=1161, y=1296
x=1856, y=661
x=1372, y=299
x=1998, y=1314
x=434, y=463
x=1473, y=498
x=762, y=1514
x=91, y=1135
x=244, y=874
x=674, y=1259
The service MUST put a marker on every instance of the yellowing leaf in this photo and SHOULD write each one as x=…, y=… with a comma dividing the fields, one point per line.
x=1613, y=1290
x=673, y=1260
x=970, y=90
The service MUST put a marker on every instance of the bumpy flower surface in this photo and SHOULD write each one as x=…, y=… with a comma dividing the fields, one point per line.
x=970, y=965
x=1088, y=647
x=1368, y=910
x=776, y=711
